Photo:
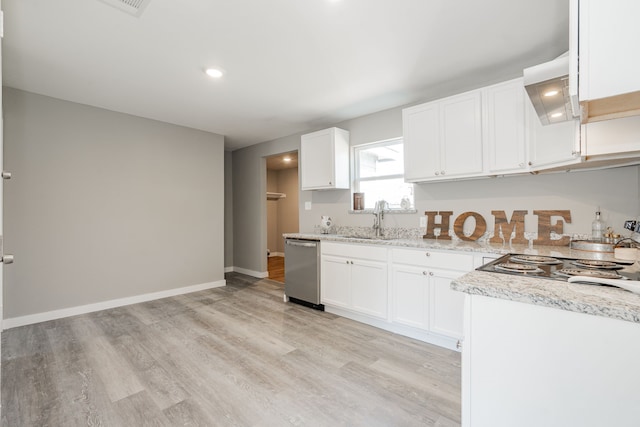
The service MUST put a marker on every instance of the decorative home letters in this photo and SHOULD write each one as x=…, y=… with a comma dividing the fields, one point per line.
x=517, y=222
x=443, y=225
x=502, y=225
x=481, y=226
x=545, y=228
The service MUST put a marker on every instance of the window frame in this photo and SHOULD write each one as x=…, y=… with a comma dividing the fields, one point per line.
x=356, y=179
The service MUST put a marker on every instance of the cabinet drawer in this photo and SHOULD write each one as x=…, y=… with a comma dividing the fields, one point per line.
x=429, y=258
x=370, y=252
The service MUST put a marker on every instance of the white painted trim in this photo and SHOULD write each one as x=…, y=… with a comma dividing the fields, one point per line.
x=258, y=274
x=89, y=308
x=228, y=269
x=276, y=254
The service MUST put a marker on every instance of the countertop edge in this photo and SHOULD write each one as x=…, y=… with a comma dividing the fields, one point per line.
x=596, y=300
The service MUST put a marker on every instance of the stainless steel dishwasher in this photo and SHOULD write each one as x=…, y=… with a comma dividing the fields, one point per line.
x=302, y=272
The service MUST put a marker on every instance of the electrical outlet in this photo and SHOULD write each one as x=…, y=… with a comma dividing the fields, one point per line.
x=423, y=221
x=307, y=206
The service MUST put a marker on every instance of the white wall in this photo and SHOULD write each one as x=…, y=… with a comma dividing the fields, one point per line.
x=105, y=205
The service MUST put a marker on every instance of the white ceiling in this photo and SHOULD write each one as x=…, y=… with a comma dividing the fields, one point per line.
x=291, y=65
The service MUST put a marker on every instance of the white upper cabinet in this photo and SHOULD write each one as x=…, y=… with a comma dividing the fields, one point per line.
x=421, y=141
x=324, y=160
x=505, y=127
x=609, y=66
x=474, y=134
x=443, y=139
x=555, y=145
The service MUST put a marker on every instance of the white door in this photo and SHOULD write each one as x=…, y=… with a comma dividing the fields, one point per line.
x=461, y=135
x=410, y=296
x=421, y=142
x=505, y=126
x=369, y=287
x=447, y=306
x=335, y=277
x=316, y=160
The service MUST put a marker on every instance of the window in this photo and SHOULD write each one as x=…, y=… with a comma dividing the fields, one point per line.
x=379, y=174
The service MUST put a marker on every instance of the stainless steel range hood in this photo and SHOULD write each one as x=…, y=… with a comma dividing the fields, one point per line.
x=548, y=88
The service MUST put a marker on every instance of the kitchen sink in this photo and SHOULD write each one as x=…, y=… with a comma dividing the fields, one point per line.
x=368, y=238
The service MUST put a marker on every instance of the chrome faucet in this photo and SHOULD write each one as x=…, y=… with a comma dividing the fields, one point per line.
x=378, y=212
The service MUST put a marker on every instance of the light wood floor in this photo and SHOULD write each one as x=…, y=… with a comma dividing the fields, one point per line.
x=232, y=356
x=275, y=266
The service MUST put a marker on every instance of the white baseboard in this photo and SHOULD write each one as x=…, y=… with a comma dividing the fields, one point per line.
x=258, y=274
x=228, y=269
x=428, y=337
x=30, y=319
x=277, y=254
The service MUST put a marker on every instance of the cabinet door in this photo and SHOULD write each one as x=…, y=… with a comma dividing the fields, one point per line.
x=335, y=286
x=446, y=305
x=609, y=34
x=317, y=160
x=369, y=287
x=421, y=142
x=410, y=296
x=461, y=135
x=505, y=127
x=552, y=145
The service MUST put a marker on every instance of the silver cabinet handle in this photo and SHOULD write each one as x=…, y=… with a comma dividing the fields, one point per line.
x=441, y=172
x=437, y=173
x=530, y=163
x=7, y=259
x=351, y=262
x=459, y=344
x=424, y=273
x=427, y=254
x=347, y=261
x=6, y=175
x=431, y=273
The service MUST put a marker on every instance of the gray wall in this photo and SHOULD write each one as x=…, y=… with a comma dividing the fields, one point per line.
x=581, y=192
x=282, y=214
x=288, y=208
x=249, y=201
x=272, y=211
x=105, y=205
x=228, y=210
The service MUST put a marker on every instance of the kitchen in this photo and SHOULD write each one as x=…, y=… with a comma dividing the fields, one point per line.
x=615, y=190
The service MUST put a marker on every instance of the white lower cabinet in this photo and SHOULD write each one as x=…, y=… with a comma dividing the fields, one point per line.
x=354, y=277
x=422, y=294
x=406, y=291
x=410, y=296
x=447, y=306
x=335, y=288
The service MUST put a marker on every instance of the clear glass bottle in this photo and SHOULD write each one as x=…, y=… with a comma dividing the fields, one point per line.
x=597, y=227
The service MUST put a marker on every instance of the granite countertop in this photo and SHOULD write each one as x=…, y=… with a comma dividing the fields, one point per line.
x=590, y=299
x=598, y=300
x=483, y=247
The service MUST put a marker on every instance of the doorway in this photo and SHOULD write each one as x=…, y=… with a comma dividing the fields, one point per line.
x=282, y=208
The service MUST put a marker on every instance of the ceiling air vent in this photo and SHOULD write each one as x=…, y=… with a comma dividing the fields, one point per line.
x=132, y=7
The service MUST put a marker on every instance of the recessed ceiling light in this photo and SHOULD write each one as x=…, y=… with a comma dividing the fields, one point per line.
x=215, y=73
x=287, y=159
x=556, y=115
x=551, y=93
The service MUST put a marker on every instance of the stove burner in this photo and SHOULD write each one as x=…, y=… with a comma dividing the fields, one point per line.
x=592, y=263
x=567, y=272
x=512, y=267
x=535, y=259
